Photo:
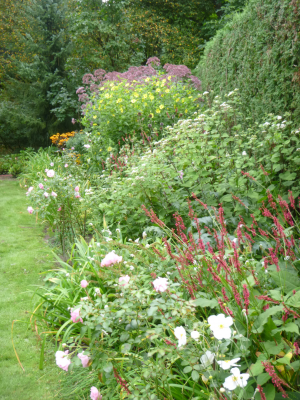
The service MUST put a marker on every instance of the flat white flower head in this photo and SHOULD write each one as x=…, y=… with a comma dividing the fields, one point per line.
x=180, y=334
x=226, y=364
x=219, y=324
x=195, y=335
x=235, y=380
x=244, y=153
x=207, y=359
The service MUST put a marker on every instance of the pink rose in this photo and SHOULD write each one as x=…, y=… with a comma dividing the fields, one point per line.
x=76, y=188
x=50, y=173
x=62, y=360
x=54, y=194
x=77, y=195
x=72, y=148
x=75, y=315
x=160, y=284
x=46, y=194
x=84, y=359
x=66, y=165
x=46, y=170
x=123, y=280
x=84, y=283
x=95, y=394
x=29, y=190
x=30, y=210
x=45, y=180
x=52, y=164
x=41, y=186
x=110, y=259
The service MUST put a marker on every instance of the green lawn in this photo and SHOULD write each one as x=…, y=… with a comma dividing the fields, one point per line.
x=23, y=255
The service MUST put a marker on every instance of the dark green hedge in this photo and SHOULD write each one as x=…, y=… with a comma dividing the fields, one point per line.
x=258, y=52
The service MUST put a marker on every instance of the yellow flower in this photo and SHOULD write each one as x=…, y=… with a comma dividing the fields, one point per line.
x=145, y=96
x=133, y=100
x=164, y=81
x=151, y=115
x=94, y=124
x=121, y=109
x=102, y=88
x=98, y=133
x=107, y=95
x=108, y=122
x=119, y=100
x=167, y=90
x=161, y=106
x=95, y=116
x=158, y=90
x=147, y=79
x=169, y=78
x=183, y=100
x=127, y=84
x=185, y=111
x=157, y=111
x=151, y=97
x=109, y=148
x=94, y=108
x=136, y=94
x=177, y=100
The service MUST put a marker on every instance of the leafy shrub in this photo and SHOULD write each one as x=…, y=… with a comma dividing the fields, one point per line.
x=258, y=54
x=14, y=164
x=209, y=155
x=168, y=344
x=139, y=102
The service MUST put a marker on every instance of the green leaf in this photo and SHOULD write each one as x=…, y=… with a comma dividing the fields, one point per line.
x=263, y=378
x=294, y=300
x=206, y=303
x=187, y=369
x=258, y=368
x=272, y=347
x=288, y=176
x=289, y=327
x=124, y=337
x=258, y=326
x=269, y=392
x=285, y=279
x=195, y=376
x=125, y=348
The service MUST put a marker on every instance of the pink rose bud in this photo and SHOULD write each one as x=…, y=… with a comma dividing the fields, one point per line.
x=110, y=259
x=77, y=195
x=123, y=280
x=50, y=173
x=66, y=165
x=76, y=188
x=41, y=186
x=84, y=359
x=46, y=194
x=62, y=360
x=53, y=194
x=72, y=148
x=75, y=315
x=30, y=210
x=84, y=283
x=59, y=209
x=52, y=164
x=95, y=394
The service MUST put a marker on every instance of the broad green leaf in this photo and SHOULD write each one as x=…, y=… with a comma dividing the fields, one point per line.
x=258, y=326
x=187, y=369
x=263, y=378
x=288, y=176
x=272, y=347
x=195, y=376
x=285, y=280
x=289, y=327
x=206, y=303
x=269, y=392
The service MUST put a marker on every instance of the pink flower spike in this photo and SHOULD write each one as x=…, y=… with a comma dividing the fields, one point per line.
x=84, y=359
x=54, y=194
x=59, y=209
x=66, y=165
x=160, y=284
x=84, y=283
x=95, y=394
x=124, y=280
x=62, y=360
x=111, y=259
x=30, y=210
x=41, y=186
x=75, y=315
x=76, y=188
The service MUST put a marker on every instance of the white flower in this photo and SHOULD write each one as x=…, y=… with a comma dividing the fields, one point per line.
x=180, y=334
x=195, y=335
x=279, y=117
x=207, y=359
x=131, y=267
x=244, y=153
x=219, y=324
x=46, y=194
x=52, y=164
x=226, y=364
x=97, y=290
x=87, y=146
x=144, y=235
x=236, y=380
x=205, y=93
x=266, y=123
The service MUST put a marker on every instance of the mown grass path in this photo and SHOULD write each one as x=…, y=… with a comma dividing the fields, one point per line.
x=23, y=255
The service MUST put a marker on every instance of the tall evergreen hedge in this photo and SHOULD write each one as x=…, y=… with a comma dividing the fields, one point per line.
x=258, y=52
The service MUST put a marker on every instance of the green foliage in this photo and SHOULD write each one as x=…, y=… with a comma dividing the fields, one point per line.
x=14, y=164
x=257, y=52
x=141, y=109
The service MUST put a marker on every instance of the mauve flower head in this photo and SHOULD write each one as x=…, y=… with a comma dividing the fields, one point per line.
x=41, y=186
x=153, y=61
x=76, y=188
x=80, y=90
x=75, y=315
x=50, y=173
x=53, y=194
x=84, y=359
x=111, y=259
x=95, y=394
x=123, y=280
x=160, y=284
x=72, y=148
x=62, y=360
x=84, y=283
x=30, y=210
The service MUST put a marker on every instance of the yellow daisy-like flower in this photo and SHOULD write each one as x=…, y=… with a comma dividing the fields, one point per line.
x=101, y=101
x=136, y=94
x=158, y=90
x=108, y=122
x=107, y=95
x=111, y=84
x=99, y=108
x=164, y=81
x=151, y=97
x=102, y=88
x=169, y=78
x=145, y=96
x=94, y=108
x=147, y=79
x=161, y=106
x=151, y=115
x=94, y=124
x=109, y=148
x=157, y=111
x=95, y=116
x=133, y=100
x=127, y=84
x=98, y=133
x=167, y=90
x=183, y=100
x=119, y=100
x=121, y=109
x=177, y=100
x=185, y=111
